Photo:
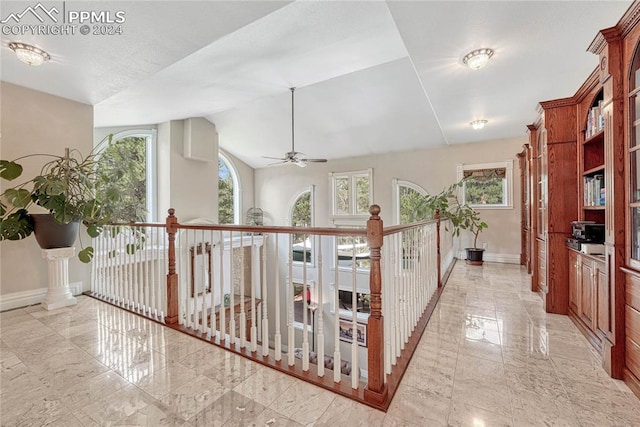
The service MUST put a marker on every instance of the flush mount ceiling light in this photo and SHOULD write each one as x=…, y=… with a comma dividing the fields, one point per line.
x=29, y=54
x=478, y=58
x=478, y=124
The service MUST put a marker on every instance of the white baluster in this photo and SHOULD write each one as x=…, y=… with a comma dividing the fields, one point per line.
x=232, y=314
x=255, y=281
x=354, y=321
x=278, y=335
x=223, y=310
x=291, y=333
x=264, y=293
x=305, y=308
x=211, y=329
x=243, y=315
x=320, y=308
x=337, y=358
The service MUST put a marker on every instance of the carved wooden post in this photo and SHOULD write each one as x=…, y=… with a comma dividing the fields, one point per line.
x=172, y=277
x=438, y=259
x=376, y=390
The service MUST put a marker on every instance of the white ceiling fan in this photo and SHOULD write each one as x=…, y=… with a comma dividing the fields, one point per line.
x=293, y=156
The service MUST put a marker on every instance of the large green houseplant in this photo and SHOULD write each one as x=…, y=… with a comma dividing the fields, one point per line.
x=461, y=215
x=67, y=186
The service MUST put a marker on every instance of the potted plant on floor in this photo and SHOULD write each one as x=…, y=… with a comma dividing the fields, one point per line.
x=69, y=189
x=462, y=217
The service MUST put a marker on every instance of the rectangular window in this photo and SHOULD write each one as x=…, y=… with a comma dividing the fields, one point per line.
x=352, y=193
x=487, y=186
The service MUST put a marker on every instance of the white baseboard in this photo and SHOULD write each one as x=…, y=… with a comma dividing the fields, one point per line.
x=448, y=259
x=494, y=257
x=31, y=297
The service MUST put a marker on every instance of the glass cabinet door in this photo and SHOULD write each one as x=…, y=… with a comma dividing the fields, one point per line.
x=542, y=184
x=634, y=159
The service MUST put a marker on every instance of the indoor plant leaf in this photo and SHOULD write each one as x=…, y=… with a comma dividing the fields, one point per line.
x=10, y=170
x=86, y=255
x=93, y=230
x=16, y=226
x=20, y=198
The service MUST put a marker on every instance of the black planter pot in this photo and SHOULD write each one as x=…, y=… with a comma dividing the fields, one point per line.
x=474, y=256
x=51, y=235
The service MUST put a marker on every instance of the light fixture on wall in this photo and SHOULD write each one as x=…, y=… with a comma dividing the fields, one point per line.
x=478, y=124
x=478, y=58
x=29, y=54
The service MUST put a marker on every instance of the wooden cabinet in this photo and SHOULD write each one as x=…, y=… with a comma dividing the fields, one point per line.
x=574, y=282
x=541, y=267
x=524, y=159
x=587, y=293
x=589, y=302
x=554, y=199
x=586, y=166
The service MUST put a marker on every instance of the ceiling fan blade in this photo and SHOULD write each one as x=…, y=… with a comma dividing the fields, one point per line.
x=274, y=158
x=283, y=162
x=316, y=160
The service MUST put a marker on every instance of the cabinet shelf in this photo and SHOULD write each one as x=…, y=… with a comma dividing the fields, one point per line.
x=599, y=168
x=597, y=138
x=593, y=208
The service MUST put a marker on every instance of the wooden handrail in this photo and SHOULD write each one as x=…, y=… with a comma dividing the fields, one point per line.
x=403, y=227
x=376, y=390
x=320, y=231
x=140, y=224
x=317, y=231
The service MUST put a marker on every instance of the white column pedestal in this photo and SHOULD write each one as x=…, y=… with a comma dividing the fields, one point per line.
x=58, y=294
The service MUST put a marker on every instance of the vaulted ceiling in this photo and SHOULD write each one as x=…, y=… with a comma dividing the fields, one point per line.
x=372, y=76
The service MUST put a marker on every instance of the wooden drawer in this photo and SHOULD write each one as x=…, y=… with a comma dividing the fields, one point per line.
x=632, y=357
x=632, y=322
x=632, y=291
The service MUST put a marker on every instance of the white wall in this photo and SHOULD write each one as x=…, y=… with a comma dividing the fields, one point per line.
x=433, y=169
x=188, y=186
x=36, y=122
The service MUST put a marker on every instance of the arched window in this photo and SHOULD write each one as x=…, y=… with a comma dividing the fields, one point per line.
x=301, y=215
x=135, y=149
x=408, y=201
x=228, y=192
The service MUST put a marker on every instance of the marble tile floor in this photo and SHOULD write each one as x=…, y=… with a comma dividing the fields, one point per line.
x=490, y=356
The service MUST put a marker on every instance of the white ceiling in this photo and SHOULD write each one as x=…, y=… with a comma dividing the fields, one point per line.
x=372, y=76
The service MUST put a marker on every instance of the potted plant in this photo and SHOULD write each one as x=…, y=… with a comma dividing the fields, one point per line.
x=68, y=187
x=462, y=217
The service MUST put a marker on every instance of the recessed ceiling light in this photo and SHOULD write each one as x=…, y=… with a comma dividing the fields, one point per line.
x=478, y=58
x=478, y=124
x=29, y=54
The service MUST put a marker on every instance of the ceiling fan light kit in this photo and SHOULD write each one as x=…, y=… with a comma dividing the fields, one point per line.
x=293, y=156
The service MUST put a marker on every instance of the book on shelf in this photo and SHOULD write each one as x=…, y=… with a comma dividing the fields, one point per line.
x=594, y=190
x=595, y=121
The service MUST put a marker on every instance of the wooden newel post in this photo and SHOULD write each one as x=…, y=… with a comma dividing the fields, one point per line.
x=172, y=277
x=438, y=259
x=376, y=390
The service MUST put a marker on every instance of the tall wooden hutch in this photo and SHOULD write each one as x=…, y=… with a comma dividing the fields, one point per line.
x=584, y=165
